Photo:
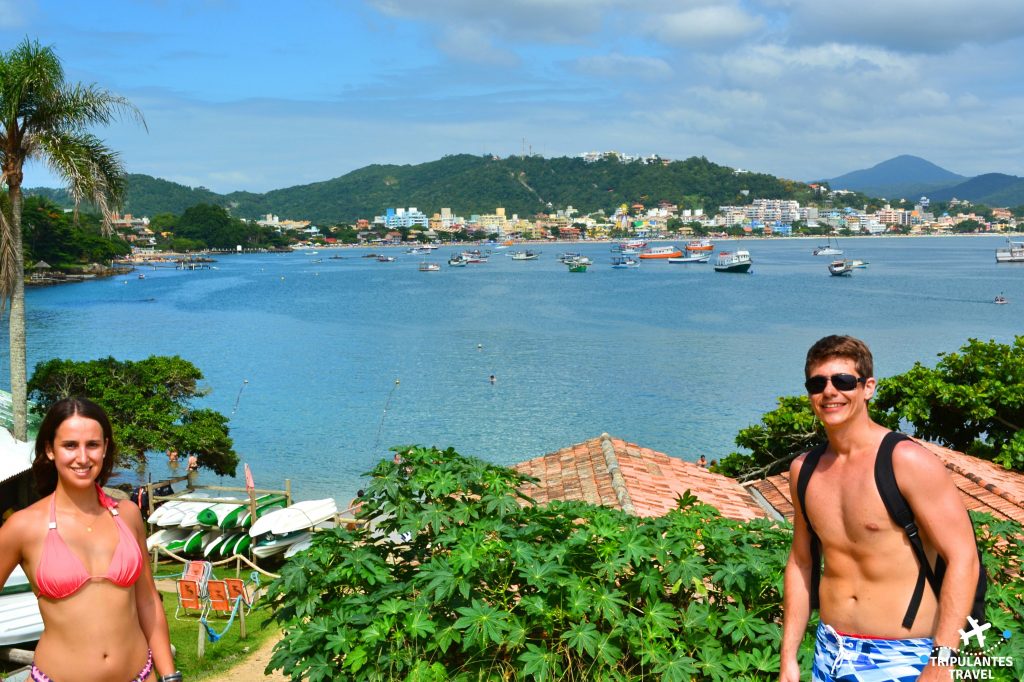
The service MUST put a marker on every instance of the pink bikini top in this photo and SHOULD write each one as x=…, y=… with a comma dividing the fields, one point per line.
x=60, y=573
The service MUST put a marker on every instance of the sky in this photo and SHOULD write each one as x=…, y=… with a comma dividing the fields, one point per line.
x=254, y=95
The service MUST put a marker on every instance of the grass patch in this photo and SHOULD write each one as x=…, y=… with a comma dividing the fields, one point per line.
x=225, y=653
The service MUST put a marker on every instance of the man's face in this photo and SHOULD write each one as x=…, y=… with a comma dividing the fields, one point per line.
x=834, y=406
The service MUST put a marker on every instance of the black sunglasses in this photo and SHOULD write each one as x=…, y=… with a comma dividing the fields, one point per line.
x=841, y=382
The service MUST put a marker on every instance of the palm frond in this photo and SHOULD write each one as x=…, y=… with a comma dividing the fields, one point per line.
x=93, y=171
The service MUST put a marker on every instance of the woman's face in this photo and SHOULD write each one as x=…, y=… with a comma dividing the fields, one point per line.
x=77, y=451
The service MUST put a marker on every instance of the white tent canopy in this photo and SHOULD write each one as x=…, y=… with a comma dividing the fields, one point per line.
x=15, y=456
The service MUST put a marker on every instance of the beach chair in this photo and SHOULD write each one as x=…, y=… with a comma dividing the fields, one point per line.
x=237, y=588
x=217, y=598
x=200, y=572
x=189, y=597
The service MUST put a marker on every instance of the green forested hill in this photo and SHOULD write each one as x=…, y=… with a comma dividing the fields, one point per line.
x=478, y=184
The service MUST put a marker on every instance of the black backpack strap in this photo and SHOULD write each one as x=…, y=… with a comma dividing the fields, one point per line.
x=810, y=462
x=899, y=510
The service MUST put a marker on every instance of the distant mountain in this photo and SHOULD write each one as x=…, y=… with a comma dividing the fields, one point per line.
x=471, y=184
x=991, y=189
x=900, y=177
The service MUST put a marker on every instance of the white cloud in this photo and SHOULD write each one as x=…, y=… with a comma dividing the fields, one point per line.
x=907, y=25
x=617, y=65
x=707, y=25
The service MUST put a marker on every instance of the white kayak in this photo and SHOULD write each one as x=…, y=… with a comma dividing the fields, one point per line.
x=276, y=544
x=20, y=620
x=165, y=536
x=190, y=519
x=299, y=516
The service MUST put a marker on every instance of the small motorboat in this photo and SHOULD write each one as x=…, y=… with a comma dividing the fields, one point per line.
x=429, y=267
x=692, y=257
x=525, y=255
x=1000, y=300
x=841, y=268
x=385, y=259
x=623, y=262
x=577, y=266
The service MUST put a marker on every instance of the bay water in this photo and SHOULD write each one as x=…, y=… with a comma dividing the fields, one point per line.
x=323, y=366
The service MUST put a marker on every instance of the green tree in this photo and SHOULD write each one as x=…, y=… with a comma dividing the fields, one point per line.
x=972, y=400
x=967, y=226
x=45, y=118
x=149, y=403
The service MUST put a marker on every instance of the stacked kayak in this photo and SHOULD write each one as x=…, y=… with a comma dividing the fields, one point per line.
x=209, y=529
x=288, y=530
x=20, y=620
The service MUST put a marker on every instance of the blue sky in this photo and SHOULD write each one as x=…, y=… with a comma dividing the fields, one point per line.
x=258, y=95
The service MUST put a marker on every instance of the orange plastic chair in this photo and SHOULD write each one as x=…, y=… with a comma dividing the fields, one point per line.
x=218, y=599
x=236, y=588
x=200, y=572
x=189, y=597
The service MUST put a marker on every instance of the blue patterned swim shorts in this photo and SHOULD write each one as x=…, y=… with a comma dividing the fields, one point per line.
x=844, y=658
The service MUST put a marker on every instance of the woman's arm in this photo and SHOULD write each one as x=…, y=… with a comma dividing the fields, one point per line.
x=152, y=618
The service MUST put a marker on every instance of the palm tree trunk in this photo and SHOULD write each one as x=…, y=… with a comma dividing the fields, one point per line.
x=19, y=371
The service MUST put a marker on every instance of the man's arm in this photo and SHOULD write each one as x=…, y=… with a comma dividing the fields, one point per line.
x=796, y=595
x=941, y=516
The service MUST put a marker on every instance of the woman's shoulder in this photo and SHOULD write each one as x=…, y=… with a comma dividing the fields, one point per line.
x=32, y=518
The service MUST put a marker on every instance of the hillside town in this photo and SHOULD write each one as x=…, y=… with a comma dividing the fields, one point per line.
x=759, y=218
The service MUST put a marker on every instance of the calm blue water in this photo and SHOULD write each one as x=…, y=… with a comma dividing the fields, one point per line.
x=675, y=357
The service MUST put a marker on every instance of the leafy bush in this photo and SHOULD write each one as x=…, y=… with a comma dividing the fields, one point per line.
x=457, y=577
x=454, y=578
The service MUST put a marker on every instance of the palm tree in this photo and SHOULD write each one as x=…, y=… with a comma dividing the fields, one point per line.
x=46, y=119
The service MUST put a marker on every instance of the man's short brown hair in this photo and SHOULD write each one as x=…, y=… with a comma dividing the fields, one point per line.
x=835, y=346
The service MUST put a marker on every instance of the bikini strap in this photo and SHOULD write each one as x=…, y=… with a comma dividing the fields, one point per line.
x=53, y=511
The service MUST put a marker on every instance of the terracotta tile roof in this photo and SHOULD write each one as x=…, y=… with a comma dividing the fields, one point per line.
x=614, y=473
x=984, y=486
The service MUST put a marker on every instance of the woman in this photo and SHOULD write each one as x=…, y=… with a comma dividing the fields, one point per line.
x=85, y=557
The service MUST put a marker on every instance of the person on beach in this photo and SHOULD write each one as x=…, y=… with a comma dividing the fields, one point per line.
x=871, y=570
x=702, y=462
x=85, y=557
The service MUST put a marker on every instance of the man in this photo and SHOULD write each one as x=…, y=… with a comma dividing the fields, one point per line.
x=870, y=570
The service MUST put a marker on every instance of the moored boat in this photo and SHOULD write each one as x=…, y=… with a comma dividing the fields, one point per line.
x=828, y=249
x=577, y=266
x=841, y=267
x=733, y=261
x=525, y=255
x=385, y=259
x=457, y=261
x=662, y=252
x=622, y=262
x=700, y=245
x=1013, y=252
x=429, y=267
x=694, y=257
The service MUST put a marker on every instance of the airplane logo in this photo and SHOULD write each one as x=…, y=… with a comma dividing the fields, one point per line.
x=977, y=631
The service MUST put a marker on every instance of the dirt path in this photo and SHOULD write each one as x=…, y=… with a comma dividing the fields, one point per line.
x=252, y=668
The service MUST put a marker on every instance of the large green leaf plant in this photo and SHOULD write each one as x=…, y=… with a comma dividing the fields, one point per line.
x=456, y=575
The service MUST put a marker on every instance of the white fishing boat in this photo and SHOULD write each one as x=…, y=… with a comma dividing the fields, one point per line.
x=20, y=620
x=1013, y=252
x=525, y=255
x=733, y=261
x=457, y=261
x=429, y=267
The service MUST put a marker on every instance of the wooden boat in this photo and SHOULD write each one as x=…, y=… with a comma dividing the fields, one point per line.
x=525, y=255
x=700, y=245
x=661, y=252
x=457, y=261
x=841, y=267
x=733, y=261
x=577, y=266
